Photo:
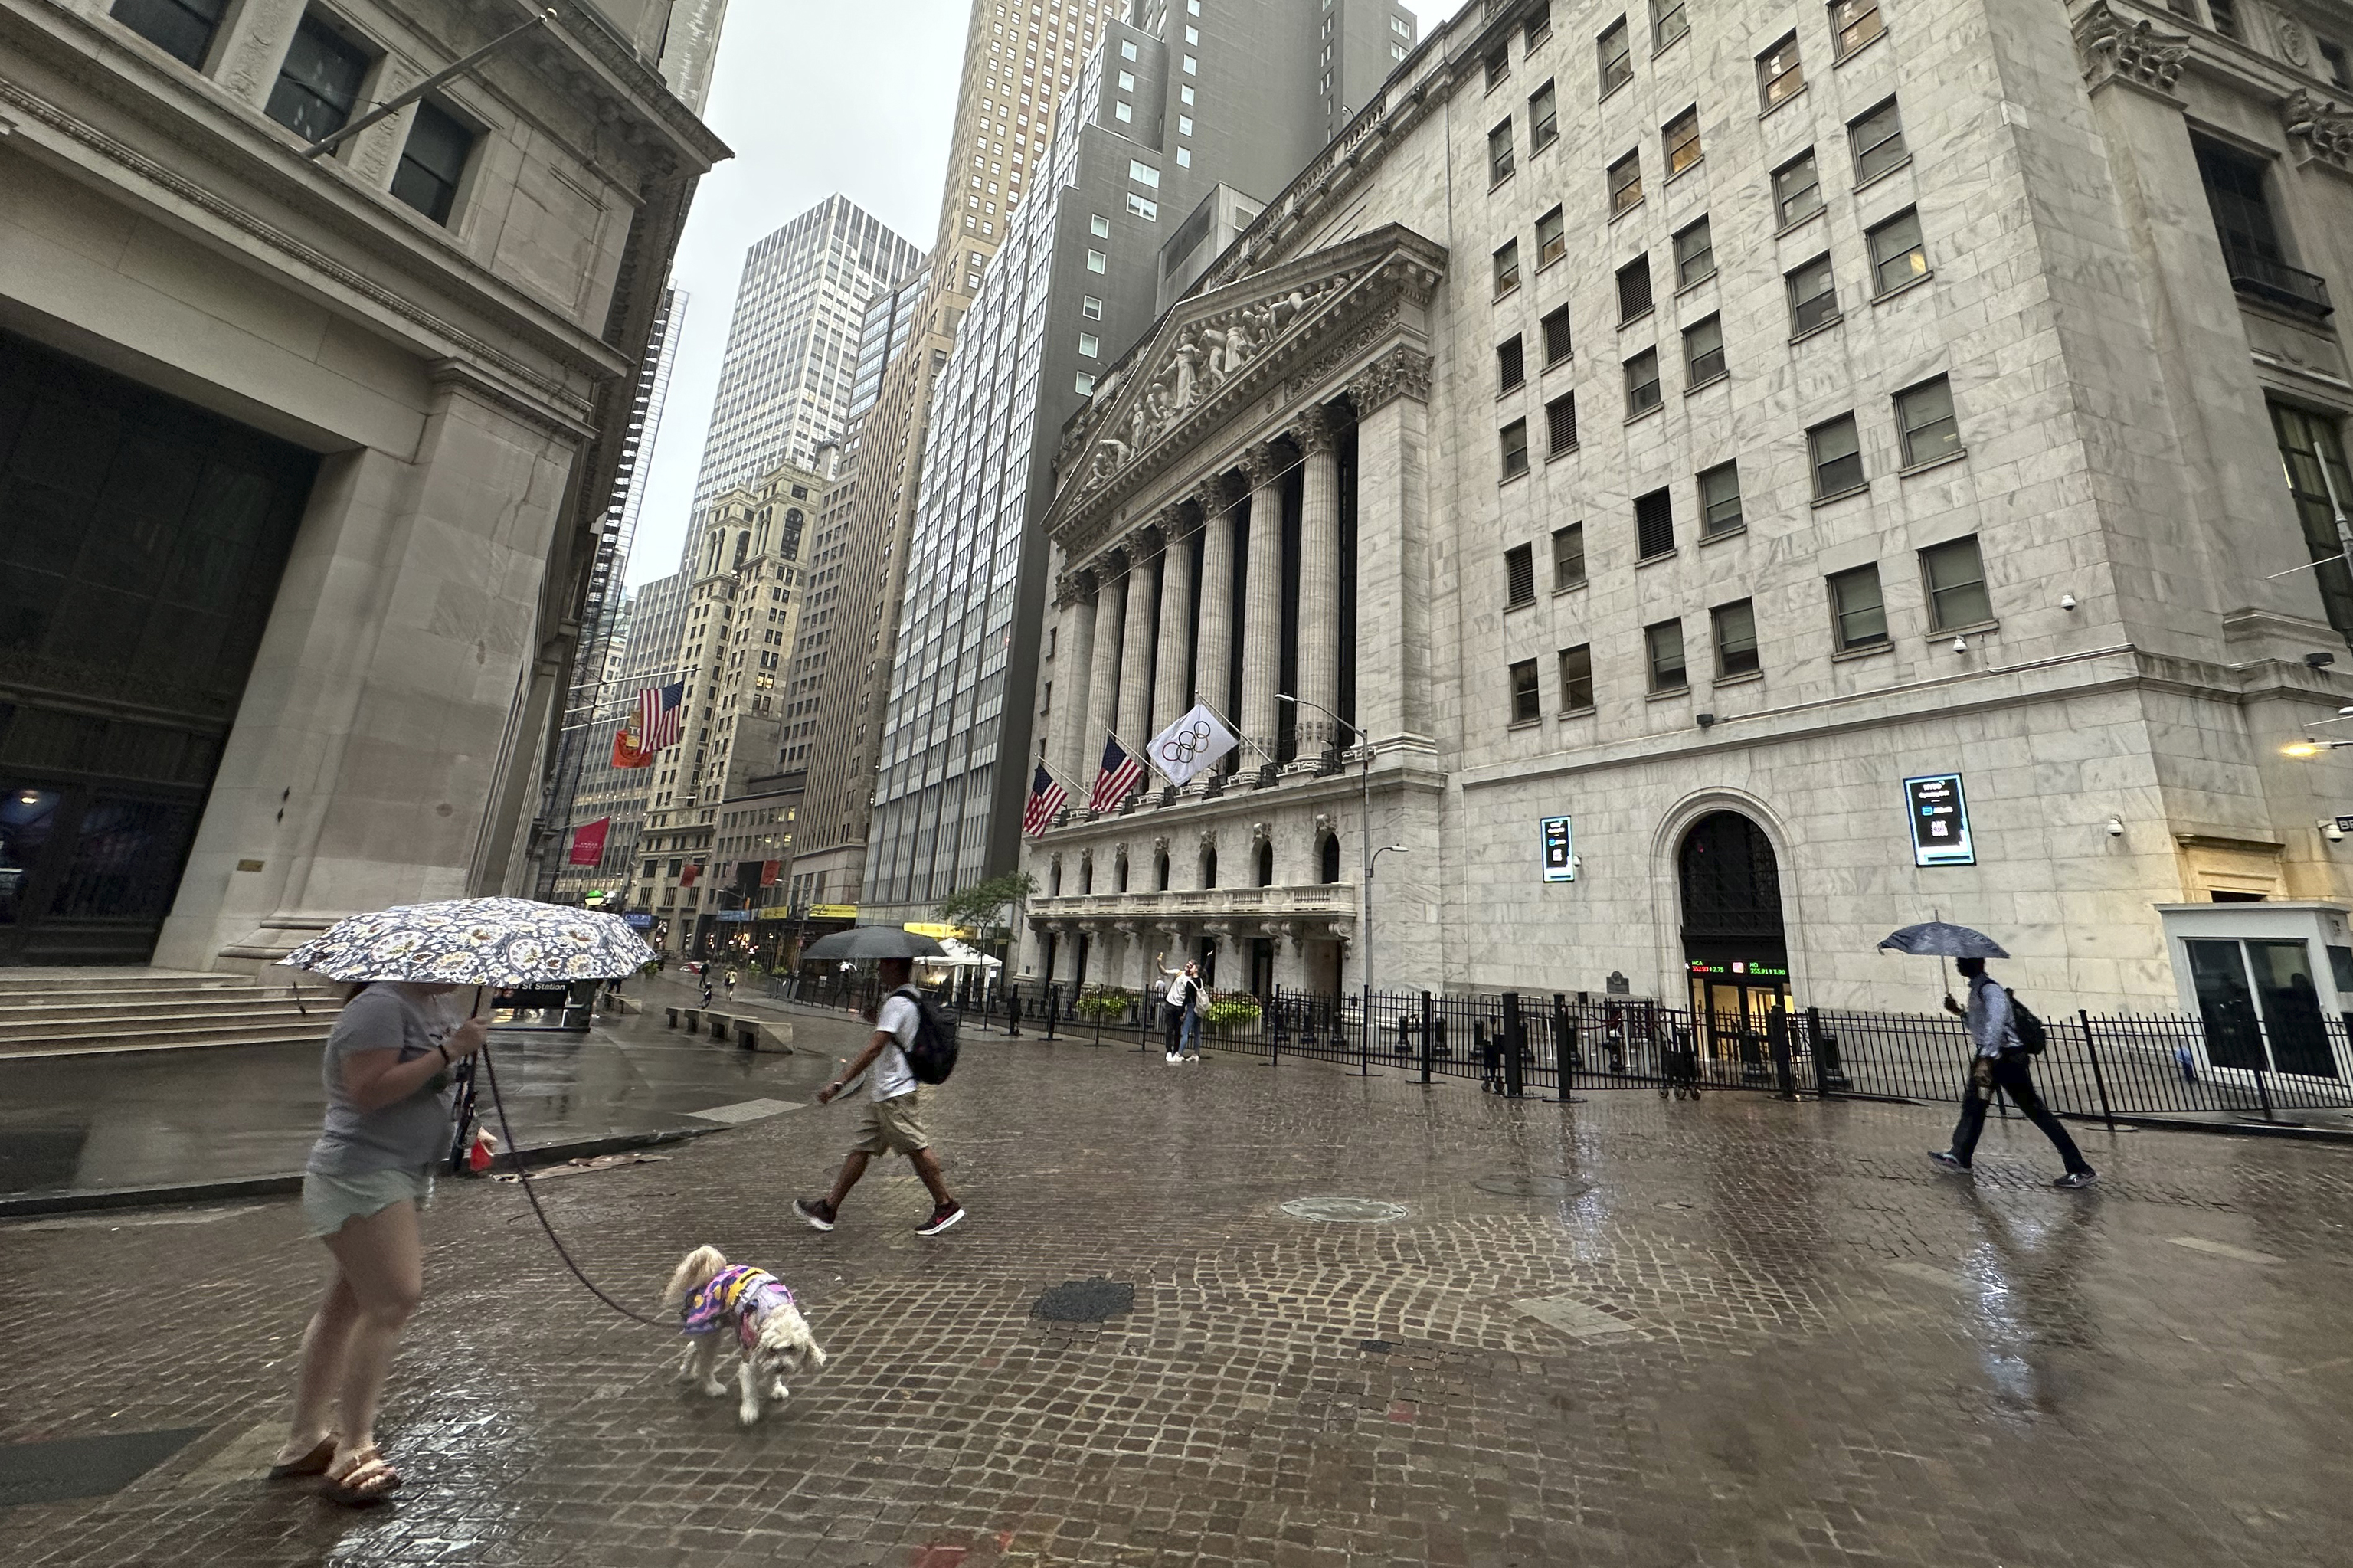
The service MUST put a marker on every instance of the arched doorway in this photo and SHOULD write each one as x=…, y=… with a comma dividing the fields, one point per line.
x=1735, y=951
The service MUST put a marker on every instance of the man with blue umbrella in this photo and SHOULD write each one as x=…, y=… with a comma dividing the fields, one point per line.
x=2001, y=1057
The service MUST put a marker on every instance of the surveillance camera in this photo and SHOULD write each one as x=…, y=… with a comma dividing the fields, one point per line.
x=2067, y=601
x=2316, y=660
x=2332, y=832
x=1705, y=720
x=1960, y=644
x=2115, y=827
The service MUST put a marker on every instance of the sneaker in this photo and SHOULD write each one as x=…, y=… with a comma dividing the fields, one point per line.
x=2075, y=1179
x=1174, y=1058
x=816, y=1211
x=1949, y=1160
x=942, y=1218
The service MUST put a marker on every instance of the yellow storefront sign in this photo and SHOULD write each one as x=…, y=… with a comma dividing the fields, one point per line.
x=937, y=933
x=833, y=912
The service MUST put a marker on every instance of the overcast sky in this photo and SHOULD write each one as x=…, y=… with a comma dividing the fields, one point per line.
x=815, y=97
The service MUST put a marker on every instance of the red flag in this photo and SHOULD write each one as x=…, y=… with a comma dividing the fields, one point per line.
x=588, y=841
x=687, y=877
x=769, y=871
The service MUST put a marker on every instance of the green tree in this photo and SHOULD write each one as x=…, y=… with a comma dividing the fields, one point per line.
x=985, y=907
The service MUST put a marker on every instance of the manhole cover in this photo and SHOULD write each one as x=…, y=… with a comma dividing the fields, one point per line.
x=1517, y=1186
x=1085, y=1300
x=1355, y=1209
x=84, y=1466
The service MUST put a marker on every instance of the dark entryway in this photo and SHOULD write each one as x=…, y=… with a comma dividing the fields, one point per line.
x=1735, y=952
x=141, y=541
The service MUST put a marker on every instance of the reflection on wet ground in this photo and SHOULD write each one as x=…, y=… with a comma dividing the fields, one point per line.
x=1723, y=1334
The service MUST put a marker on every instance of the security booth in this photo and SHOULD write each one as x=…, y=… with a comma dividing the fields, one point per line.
x=2272, y=983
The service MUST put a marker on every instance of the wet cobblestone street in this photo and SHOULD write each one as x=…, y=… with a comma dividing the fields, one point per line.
x=1629, y=1332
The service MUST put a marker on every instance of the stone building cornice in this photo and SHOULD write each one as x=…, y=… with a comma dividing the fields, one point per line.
x=2130, y=51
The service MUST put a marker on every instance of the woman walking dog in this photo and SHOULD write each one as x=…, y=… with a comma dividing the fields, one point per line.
x=389, y=1106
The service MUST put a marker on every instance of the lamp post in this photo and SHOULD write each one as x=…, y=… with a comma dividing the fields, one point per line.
x=1364, y=833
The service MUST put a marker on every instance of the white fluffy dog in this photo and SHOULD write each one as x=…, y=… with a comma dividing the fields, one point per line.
x=713, y=1295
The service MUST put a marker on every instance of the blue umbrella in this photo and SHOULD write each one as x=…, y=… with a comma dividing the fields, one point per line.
x=1943, y=939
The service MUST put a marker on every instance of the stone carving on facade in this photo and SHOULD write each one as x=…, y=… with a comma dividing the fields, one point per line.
x=2110, y=48
x=1261, y=833
x=1209, y=840
x=1403, y=372
x=2317, y=128
x=2293, y=41
x=1323, y=823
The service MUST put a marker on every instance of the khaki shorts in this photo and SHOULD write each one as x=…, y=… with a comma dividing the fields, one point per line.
x=894, y=1126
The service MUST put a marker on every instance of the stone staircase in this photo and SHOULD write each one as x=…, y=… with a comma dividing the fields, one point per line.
x=55, y=1011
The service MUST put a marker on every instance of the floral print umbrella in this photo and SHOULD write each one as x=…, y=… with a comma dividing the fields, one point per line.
x=501, y=942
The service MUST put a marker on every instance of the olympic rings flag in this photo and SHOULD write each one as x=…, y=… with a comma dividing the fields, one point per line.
x=1191, y=746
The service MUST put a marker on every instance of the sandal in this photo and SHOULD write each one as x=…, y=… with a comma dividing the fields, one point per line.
x=367, y=1482
x=314, y=1463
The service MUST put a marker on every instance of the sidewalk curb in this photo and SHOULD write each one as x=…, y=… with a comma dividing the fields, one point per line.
x=31, y=1204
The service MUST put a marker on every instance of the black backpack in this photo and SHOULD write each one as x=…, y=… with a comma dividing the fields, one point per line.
x=2033, y=1034
x=933, y=1056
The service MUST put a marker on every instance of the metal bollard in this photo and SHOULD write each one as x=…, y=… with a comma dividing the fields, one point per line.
x=1515, y=1042
x=1563, y=1048
x=1428, y=1033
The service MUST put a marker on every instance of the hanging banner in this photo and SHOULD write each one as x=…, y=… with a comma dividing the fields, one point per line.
x=588, y=841
x=1940, y=820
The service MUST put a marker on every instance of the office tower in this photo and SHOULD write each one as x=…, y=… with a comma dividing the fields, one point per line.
x=1183, y=124
x=1017, y=73
x=890, y=320
x=792, y=347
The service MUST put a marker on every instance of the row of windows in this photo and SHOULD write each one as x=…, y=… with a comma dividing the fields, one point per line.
x=319, y=85
x=1952, y=575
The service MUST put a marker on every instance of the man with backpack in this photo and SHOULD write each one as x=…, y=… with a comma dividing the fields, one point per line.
x=913, y=1043
x=2006, y=1033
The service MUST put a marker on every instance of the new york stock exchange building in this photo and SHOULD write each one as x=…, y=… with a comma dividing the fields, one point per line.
x=1724, y=498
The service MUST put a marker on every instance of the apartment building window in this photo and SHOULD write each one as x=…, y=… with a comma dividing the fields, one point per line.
x=1507, y=268
x=1634, y=289
x=1695, y=254
x=1703, y=351
x=1835, y=447
x=1625, y=183
x=1143, y=174
x=1663, y=645
x=1813, y=297
x=1099, y=226
x=1510, y=365
x=1642, y=384
x=1719, y=501
x=1539, y=25
x=2316, y=479
x=1519, y=577
x=1551, y=239
x=1085, y=385
x=432, y=161
x=1858, y=612
x=1557, y=345
x=2226, y=17
x=1667, y=23
x=1400, y=26
x=1527, y=703
x=1560, y=424
x=1148, y=210
x=184, y=29
x=1122, y=114
x=2340, y=67
x=1089, y=345
x=1499, y=153
x=1544, y=120
x=1796, y=190
x=1735, y=628
x=1127, y=49
x=1779, y=72
x=1091, y=307
x=1568, y=557
x=1924, y=414
x=1897, y=256
x=1680, y=136
x=1499, y=67
x=1954, y=574
x=1515, y=449
x=1576, y=678
x=1877, y=138
x=319, y=81
x=1655, y=525
x=1097, y=262
x=1617, y=49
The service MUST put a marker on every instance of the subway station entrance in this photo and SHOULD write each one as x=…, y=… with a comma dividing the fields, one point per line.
x=1735, y=954
x=142, y=542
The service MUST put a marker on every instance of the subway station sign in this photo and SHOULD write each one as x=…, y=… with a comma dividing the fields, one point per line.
x=1560, y=858
x=1940, y=820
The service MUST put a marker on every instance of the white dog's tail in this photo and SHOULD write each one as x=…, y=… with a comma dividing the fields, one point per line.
x=693, y=1272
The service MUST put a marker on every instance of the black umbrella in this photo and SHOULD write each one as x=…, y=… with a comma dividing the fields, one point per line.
x=1943, y=939
x=873, y=942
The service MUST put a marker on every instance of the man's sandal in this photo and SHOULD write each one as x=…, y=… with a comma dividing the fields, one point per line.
x=314, y=1463
x=368, y=1482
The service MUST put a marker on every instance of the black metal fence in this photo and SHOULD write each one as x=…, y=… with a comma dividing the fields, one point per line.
x=1553, y=1045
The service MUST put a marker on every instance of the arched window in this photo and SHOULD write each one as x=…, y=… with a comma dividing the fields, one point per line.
x=1208, y=868
x=1328, y=862
x=742, y=549
x=710, y=551
x=1086, y=876
x=1119, y=875
x=1266, y=865
x=1731, y=880
x=1160, y=872
x=1054, y=879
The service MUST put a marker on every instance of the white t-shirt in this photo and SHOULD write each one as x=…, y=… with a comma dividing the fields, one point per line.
x=890, y=1076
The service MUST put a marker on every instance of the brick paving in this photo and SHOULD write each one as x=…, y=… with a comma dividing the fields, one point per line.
x=1736, y=1332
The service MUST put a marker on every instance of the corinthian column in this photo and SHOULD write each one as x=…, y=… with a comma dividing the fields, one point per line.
x=1074, y=661
x=1102, y=679
x=1319, y=582
x=1173, y=669
x=1213, y=648
x=1135, y=654
x=1262, y=609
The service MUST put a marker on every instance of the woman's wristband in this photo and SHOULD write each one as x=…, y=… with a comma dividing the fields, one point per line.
x=445, y=1059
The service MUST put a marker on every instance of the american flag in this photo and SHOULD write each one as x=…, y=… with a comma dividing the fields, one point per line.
x=1046, y=798
x=1120, y=775
x=661, y=716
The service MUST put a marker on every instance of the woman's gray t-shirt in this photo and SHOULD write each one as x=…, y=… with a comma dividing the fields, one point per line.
x=408, y=1133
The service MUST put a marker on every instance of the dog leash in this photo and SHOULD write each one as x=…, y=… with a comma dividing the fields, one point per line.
x=523, y=1178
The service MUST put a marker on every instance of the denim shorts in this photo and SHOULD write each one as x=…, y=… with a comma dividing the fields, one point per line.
x=328, y=1201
